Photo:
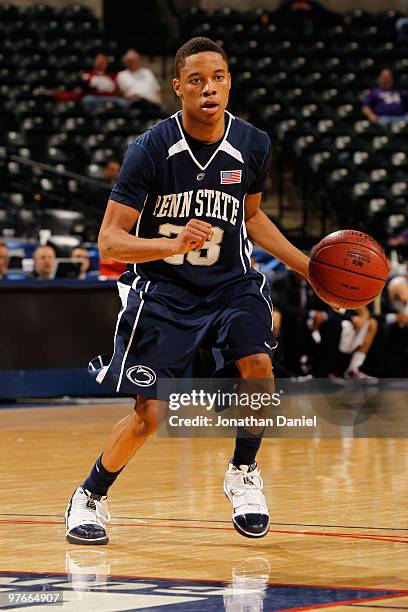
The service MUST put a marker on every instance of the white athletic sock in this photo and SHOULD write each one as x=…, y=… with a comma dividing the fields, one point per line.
x=356, y=361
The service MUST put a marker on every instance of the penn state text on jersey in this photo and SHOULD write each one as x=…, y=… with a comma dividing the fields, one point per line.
x=171, y=178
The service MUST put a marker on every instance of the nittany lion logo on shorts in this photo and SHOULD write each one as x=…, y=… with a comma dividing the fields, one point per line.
x=141, y=375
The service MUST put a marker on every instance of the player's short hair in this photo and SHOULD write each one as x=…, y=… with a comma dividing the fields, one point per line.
x=199, y=44
x=3, y=244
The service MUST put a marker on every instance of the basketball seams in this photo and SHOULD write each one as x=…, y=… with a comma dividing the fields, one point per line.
x=383, y=280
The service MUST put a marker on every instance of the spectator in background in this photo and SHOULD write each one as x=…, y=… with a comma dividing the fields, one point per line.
x=305, y=17
x=137, y=83
x=400, y=240
x=395, y=317
x=82, y=254
x=347, y=341
x=397, y=290
x=97, y=197
x=312, y=337
x=110, y=171
x=100, y=86
x=401, y=27
x=358, y=332
x=384, y=104
x=110, y=269
x=4, y=260
x=44, y=262
x=299, y=317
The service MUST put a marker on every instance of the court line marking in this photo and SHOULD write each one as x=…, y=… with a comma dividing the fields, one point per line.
x=349, y=602
x=385, y=607
x=391, y=592
x=191, y=520
x=379, y=538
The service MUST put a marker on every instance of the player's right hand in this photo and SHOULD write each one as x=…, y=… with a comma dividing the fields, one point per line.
x=193, y=236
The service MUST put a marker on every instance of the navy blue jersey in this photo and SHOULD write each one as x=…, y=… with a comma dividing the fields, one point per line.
x=170, y=179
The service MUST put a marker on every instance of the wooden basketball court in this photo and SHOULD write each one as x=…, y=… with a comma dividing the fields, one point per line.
x=338, y=536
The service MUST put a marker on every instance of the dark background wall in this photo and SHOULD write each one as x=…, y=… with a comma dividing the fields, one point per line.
x=55, y=326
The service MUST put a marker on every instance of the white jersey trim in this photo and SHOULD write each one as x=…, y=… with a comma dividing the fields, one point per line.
x=178, y=147
x=230, y=150
x=220, y=148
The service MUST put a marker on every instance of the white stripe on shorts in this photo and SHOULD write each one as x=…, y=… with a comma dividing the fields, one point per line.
x=131, y=337
x=268, y=303
x=124, y=295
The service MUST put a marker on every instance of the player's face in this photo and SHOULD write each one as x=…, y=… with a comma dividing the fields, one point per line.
x=204, y=86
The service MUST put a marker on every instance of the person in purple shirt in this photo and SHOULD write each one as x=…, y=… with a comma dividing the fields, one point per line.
x=384, y=104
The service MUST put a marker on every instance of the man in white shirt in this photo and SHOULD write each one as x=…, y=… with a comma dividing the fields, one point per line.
x=136, y=82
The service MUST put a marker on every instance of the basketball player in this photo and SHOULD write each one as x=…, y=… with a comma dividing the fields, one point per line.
x=192, y=185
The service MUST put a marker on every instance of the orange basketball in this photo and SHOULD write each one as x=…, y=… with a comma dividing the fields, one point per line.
x=348, y=269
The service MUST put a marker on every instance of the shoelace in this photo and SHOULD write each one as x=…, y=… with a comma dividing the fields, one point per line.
x=247, y=491
x=101, y=508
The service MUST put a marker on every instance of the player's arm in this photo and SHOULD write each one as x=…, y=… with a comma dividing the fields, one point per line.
x=265, y=234
x=116, y=242
x=126, y=202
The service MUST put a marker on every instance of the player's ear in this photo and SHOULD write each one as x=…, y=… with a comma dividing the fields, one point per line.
x=176, y=87
x=229, y=81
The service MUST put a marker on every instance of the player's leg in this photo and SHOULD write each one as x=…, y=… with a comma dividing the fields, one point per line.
x=131, y=432
x=245, y=337
x=150, y=346
x=257, y=376
x=87, y=512
x=243, y=483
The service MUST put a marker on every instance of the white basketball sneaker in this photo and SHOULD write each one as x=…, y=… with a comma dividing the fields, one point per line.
x=86, y=518
x=243, y=487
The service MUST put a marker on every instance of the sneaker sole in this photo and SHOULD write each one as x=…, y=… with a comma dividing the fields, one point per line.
x=240, y=530
x=87, y=542
x=249, y=535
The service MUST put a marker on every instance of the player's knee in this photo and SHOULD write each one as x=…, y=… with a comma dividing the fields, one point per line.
x=255, y=366
x=145, y=419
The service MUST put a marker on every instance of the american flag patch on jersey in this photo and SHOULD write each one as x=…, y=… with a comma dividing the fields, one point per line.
x=230, y=176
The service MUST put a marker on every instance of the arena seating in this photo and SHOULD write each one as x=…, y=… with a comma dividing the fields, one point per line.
x=43, y=50
x=306, y=91
x=304, y=88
